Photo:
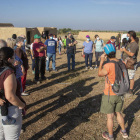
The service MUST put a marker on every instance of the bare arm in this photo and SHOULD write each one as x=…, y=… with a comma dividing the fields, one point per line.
x=127, y=52
x=10, y=86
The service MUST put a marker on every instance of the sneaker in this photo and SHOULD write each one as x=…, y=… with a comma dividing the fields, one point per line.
x=55, y=70
x=24, y=94
x=33, y=72
x=106, y=136
x=86, y=68
x=9, y=121
x=43, y=78
x=91, y=68
x=95, y=67
x=37, y=82
x=124, y=134
x=48, y=70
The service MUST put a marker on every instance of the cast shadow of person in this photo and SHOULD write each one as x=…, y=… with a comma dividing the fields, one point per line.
x=72, y=118
x=133, y=108
x=71, y=93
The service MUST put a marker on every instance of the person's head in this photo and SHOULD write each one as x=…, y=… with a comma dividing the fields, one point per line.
x=87, y=37
x=131, y=36
x=14, y=36
x=113, y=38
x=37, y=38
x=32, y=39
x=2, y=43
x=69, y=35
x=7, y=57
x=43, y=32
x=51, y=36
x=137, y=40
x=11, y=42
x=97, y=37
x=65, y=37
x=110, y=51
x=59, y=38
x=54, y=36
x=19, y=41
x=124, y=41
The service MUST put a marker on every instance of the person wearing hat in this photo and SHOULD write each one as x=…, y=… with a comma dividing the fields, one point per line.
x=114, y=105
x=51, y=52
x=88, y=51
x=39, y=56
x=112, y=41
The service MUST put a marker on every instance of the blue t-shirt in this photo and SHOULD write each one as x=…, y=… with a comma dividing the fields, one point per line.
x=99, y=45
x=88, y=47
x=51, y=43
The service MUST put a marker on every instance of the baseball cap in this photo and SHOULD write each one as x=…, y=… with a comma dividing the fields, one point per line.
x=50, y=34
x=87, y=36
x=37, y=36
x=113, y=37
x=108, y=48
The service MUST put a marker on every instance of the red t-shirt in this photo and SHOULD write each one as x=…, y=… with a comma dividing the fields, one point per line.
x=113, y=43
x=37, y=46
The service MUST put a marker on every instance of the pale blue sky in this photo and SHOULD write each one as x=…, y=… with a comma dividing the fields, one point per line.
x=75, y=14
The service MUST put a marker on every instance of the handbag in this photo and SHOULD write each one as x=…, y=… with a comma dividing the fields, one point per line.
x=130, y=62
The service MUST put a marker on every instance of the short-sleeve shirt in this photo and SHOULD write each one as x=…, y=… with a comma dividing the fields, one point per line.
x=70, y=49
x=36, y=46
x=99, y=45
x=51, y=46
x=88, y=47
x=131, y=47
x=64, y=41
x=110, y=68
x=110, y=42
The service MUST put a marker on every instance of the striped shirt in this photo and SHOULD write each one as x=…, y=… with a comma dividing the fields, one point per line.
x=18, y=67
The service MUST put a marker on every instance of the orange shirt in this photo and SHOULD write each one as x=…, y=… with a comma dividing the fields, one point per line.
x=110, y=68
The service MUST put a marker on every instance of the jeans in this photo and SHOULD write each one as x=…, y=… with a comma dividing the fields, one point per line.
x=11, y=132
x=33, y=64
x=90, y=59
x=59, y=47
x=69, y=56
x=53, y=56
x=39, y=67
x=97, y=55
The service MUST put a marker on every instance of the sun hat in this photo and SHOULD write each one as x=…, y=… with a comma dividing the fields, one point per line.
x=108, y=48
x=87, y=36
x=36, y=36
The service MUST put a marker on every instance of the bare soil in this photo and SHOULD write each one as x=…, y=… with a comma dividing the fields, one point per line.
x=67, y=105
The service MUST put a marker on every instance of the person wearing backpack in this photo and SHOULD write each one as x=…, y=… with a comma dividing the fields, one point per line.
x=115, y=74
x=99, y=46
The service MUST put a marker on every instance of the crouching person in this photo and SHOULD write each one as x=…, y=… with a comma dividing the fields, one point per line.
x=111, y=102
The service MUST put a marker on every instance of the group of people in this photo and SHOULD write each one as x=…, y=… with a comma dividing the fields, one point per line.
x=14, y=66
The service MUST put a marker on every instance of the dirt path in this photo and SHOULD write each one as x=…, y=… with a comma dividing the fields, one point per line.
x=66, y=106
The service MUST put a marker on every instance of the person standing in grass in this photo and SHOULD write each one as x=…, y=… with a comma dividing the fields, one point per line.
x=64, y=42
x=88, y=51
x=99, y=47
x=111, y=103
x=59, y=44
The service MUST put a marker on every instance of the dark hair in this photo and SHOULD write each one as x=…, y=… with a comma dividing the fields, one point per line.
x=5, y=54
x=60, y=38
x=124, y=41
x=96, y=36
x=111, y=55
x=65, y=36
x=132, y=34
x=32, y=39
x=14, y=36
x=137, y=40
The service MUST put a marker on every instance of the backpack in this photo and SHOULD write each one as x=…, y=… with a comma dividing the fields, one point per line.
x=121, y=84
x=101, y=41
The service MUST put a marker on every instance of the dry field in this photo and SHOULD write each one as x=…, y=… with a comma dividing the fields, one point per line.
x=67, y=105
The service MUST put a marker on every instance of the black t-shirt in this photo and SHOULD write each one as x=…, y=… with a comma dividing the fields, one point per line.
x=70, y=49
x=44, y=36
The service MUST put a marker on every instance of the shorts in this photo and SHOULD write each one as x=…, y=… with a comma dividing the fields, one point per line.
x=114, y=104
x=131, y=74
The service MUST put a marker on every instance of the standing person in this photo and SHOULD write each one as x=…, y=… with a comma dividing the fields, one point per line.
x=22, y=55
x=39, y=56
x=118, y=40
x=24, y=43
x=14, y=36
x=71, y=46
x=112, y=41
x=44, y=35
x=51, y=52
x=99, y=47
x=12, y=94
x=32, y=56
x=55, y=38
x=64, y=42
x=131, y=51
x=111, y=103
x=88, y=51
x=59, y=44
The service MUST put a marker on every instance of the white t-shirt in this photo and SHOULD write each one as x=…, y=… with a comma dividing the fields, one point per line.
x=55, y=39
x=31, y=47
x=123, y=36
x=60, y=42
